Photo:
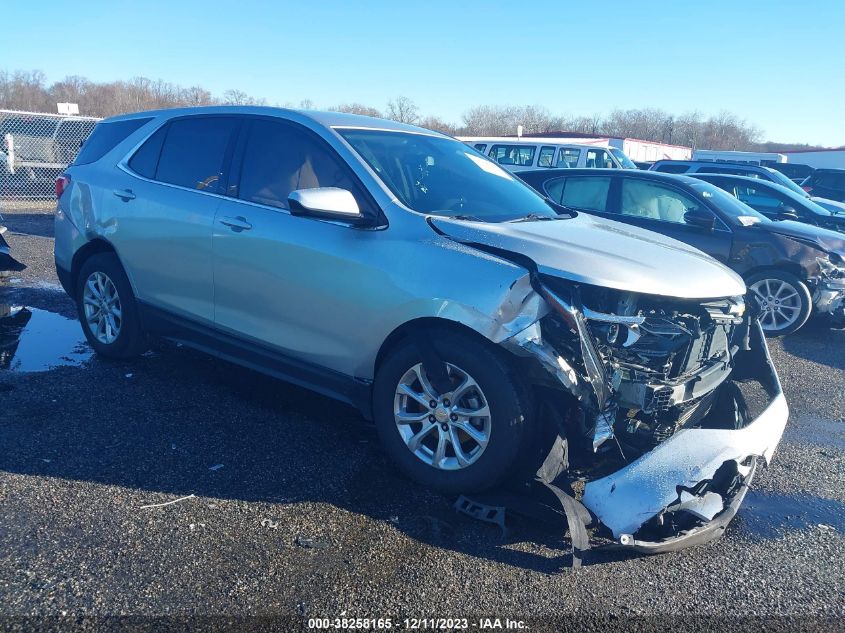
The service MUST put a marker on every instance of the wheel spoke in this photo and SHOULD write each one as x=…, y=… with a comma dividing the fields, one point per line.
x=406, y=390
x=417, y=438
x=440, y=452
x=481, y=412
x=461, y=390
x=455, y=441
x=403, y=417
x=428, y=390
x=479, y=437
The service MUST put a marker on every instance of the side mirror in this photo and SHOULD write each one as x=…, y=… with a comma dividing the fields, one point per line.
x=330, y=203
x=700, y=218
x=787, y=212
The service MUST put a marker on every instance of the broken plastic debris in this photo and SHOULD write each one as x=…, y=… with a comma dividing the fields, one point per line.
x=216, y=467
x=269, y=523
x=194, y=526
x=129, y=375
x=168, y=503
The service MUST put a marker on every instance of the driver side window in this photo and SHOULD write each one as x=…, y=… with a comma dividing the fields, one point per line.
x=645, y=199
x=758, y=199
x=280, y=158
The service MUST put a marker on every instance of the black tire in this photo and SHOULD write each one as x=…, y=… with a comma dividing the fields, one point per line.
x=130, y=340
x=508, y=397
x=805, y=301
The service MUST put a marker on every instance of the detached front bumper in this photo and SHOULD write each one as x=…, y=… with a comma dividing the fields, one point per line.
x=687, y=472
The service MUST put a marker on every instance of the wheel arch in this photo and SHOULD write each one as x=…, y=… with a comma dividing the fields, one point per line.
x=88, y=250
x=793, y=268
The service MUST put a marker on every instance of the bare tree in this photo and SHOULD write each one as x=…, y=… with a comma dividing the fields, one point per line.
x=402, y=109
x=357, y=108
x=439, y=125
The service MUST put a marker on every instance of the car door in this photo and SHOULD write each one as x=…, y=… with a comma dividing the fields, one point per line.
x=163, y=204
x=660, y=207
x=287, y=283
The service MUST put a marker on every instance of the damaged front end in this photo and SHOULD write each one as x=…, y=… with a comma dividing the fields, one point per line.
x=673, y=401
x=829, y=292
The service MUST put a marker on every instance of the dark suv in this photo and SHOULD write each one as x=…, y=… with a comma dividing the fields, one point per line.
x=826, y=183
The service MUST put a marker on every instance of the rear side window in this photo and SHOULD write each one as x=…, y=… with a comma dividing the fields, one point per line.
x=145, y=160
x=280, y=158
x=521, y=155
x=673, y=169
x=105, y=138
x=580, y=192
x=194, y=151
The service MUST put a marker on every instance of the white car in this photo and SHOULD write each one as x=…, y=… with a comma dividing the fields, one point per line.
x=516, y=154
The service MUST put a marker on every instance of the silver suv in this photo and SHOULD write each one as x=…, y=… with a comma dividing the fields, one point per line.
x=396, y=269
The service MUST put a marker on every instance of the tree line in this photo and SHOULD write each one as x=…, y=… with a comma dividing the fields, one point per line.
x=30, y=91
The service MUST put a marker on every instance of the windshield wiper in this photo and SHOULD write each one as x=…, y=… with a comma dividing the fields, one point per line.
x=531, y=217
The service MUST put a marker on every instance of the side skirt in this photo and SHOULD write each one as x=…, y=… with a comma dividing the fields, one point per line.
x=348, y=389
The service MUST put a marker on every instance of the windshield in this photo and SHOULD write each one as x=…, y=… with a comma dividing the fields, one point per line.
x=442, y=176
x=783, y=181
x=623, y=159
x=737, y=212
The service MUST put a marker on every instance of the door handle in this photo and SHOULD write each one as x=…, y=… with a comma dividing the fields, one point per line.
x=124, y=194
x=237, y=224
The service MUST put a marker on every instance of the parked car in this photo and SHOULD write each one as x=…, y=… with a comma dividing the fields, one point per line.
x=396, y=269
x=520, y=154
x=7, y=262
x=752, y=171
x=776, y=202
x=643, y=164
x=826, y=183
x=796, y=172
x=791, y=268
x=35, y=149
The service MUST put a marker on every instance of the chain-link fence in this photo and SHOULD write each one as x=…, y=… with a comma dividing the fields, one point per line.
x=34, y=149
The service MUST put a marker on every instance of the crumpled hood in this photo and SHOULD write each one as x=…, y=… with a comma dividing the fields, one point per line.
x=604, y=253
x=825, y=239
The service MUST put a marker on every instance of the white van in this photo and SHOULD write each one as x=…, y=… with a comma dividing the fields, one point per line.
x=516, y=154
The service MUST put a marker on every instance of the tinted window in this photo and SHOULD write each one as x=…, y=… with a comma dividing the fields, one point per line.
x=671, y=168
x=280, y=158
x=580, y=192
x=480, y=146
x=521, y=155
x=442, y=176
x=105, y=138
x=644, y=199
x=194, y=150
x=145, y=160
x=546, y=156
x=568, y=157
x=830, y=179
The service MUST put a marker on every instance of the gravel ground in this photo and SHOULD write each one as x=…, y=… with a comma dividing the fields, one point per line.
x=294, y=512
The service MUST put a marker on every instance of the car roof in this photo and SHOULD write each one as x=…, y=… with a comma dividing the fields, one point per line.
x=709, y=163
x=324, y=118
x=593, y=171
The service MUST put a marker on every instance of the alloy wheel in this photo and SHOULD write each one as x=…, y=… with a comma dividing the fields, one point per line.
x=780, y=303
x=448, y=431
x=103, y=311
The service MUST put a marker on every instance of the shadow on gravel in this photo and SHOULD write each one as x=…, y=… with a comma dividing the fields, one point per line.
x=37, y=224
x=818, y=342
x=177, y=422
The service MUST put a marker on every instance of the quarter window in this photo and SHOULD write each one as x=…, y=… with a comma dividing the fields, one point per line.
x=520, y=155
x=194, y=151
x=644, y=199
x=280, y=158
x=145, y=160
x=580, y=192
x=546, y=156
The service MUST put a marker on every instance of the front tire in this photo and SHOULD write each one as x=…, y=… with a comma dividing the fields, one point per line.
x=784, y=300
x=466, y=438
x=107, y=308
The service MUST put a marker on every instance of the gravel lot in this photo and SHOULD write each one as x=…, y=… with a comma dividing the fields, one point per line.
x=295, y=512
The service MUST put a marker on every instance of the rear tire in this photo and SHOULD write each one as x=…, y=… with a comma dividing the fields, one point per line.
x=107, y=308
x=500, y=393
x=784, y=300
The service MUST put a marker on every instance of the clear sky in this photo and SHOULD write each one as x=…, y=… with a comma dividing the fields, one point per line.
x=779, y=64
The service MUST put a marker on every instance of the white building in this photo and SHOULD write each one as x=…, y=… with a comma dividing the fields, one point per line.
x=830, y=158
